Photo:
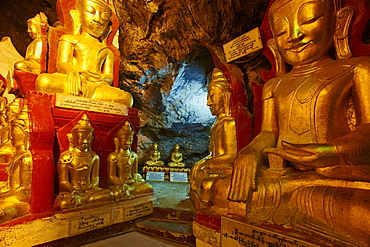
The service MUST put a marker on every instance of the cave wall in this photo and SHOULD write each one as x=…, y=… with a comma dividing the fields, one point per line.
x=156, y=39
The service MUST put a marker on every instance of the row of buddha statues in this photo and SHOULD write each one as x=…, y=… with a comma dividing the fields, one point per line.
x=78, y=170
x=175, y=155
x=78, y=167
x=309, y=167
x=84, y=63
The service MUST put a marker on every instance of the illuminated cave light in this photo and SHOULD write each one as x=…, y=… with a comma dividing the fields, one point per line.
x=187, y=100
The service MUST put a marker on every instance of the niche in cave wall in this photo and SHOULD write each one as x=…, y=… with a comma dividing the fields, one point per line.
x=175, y=110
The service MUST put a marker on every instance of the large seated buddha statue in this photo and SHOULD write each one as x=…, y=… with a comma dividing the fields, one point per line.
x=309, y=168
x=84, y=62
x=123, y=176
x=222, y=143
x=78, y=171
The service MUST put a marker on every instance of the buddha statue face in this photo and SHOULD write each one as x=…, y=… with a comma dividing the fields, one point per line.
x=215, y=100
x=82, y=139
x=125, y=141
x=94, y=16
x=303, y=29
x=18, y=136
x=34, y=29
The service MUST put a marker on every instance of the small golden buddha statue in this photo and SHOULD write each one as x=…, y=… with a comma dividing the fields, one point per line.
x=78, y=171
x=123, y=177
x=6, y=147
x=3, y=103
x=31, y=63
x=176, y=157
x=155, y=157
x=11, y=111
x=222, y=142
x=310, y=163
x=84, y=62
x=15, y=196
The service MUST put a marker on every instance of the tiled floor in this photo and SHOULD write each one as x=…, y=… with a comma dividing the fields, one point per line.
x=132, y=239
x=172, y=195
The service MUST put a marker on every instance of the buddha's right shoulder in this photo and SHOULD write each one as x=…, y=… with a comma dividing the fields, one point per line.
x=70, y=38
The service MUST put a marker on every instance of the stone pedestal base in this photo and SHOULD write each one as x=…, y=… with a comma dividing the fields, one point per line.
x=69, y=223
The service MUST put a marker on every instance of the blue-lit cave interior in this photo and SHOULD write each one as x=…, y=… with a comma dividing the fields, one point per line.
x=173, y=104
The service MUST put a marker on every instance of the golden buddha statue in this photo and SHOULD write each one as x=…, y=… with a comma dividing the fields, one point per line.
x=222, y=143
x=11, y=111
x=6, y=147
x=309, y=167
x=3, y=103
x=84, y=62
x=155, y=157
x=16, y=194
x=123, y=177
x=78, y=171
x=176, y=157
x=31, y=63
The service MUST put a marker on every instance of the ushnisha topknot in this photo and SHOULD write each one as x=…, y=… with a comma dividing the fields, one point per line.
x=80, y=3
x=125, y=129
x=278, y=3
x=83, y=125
x=219, y=80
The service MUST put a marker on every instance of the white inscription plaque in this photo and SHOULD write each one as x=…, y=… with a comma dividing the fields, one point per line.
x=88, y=223
x=238, y=234
x=179, y=177
x=155, y=176
x=243, y=45
x=138, y=211
x=68, y=101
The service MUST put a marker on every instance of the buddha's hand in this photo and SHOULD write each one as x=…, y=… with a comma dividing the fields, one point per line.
x=243, y=181
x=312, y=155
x=92, y=76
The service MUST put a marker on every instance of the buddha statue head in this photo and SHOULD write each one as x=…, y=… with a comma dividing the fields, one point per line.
x=92, y=17
x=218, y=98
x=82, y=134
x=12, y=109
x=20, y=129
x=305, y=30
x=125, y=136
x=34, y=25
